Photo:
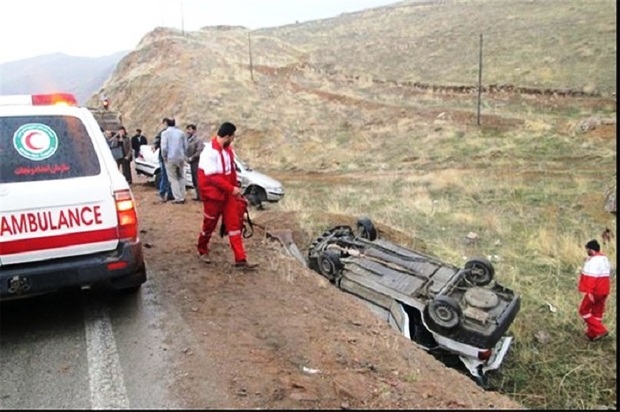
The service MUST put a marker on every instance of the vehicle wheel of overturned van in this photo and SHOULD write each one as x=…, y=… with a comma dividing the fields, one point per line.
x=365, y=229
x=444, y=312
x=479, y=272
x=330, y=264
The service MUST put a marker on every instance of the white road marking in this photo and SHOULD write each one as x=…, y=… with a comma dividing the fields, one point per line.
x=107, y=387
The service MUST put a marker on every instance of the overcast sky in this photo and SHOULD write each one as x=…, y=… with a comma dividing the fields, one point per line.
x=96, y=28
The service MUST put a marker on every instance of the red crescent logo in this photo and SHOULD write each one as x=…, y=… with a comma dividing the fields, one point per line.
x=28, y=143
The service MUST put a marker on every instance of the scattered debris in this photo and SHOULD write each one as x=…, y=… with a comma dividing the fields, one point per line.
x=543, y=337
x=472, y=237
x=552, y=308
x=309, y=371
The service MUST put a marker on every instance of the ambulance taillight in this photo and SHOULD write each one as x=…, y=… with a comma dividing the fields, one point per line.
x=127, y=216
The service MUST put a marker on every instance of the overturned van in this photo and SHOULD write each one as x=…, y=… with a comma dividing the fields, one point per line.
x=445, y=309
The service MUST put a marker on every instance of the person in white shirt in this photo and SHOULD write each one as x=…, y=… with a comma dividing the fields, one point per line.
x=173, y=148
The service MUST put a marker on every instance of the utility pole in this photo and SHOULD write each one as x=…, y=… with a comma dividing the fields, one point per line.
x=479, y=79
x=250, y=52
x=182, y=20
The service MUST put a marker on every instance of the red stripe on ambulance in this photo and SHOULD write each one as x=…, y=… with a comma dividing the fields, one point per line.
x=51, y=242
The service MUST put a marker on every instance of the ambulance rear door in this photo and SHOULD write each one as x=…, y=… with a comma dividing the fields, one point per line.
x=56, y=199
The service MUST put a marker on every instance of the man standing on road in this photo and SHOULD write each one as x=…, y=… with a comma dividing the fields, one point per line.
x=194, y=148
x=125, y=161
x=594, y=282
x=173, y=148
x=165, y=192
x=217, y=183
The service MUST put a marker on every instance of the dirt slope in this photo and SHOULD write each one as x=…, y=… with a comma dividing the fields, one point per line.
x=283, y=337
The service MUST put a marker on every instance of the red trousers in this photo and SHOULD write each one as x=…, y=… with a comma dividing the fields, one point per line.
x=591, y=310
x=213, y=209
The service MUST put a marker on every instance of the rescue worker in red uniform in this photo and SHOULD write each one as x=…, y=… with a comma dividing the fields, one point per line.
x=594, y=282
x=219, y=191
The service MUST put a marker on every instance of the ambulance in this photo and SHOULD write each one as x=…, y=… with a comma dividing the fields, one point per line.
x=67, y=215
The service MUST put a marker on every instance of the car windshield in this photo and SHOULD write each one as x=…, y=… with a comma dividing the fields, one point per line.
x=36, y=148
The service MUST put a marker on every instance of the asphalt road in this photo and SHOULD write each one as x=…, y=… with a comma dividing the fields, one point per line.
x=87, y=349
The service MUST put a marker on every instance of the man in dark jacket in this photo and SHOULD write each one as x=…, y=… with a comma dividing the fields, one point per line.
x=124, y=162
x=137, y=140
x=194, y=148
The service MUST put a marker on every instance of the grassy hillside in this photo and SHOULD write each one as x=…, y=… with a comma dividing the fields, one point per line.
x=559, y=44
x=531, y=43
x=326, y=107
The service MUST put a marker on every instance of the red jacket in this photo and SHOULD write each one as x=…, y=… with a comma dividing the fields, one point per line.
x=217, y=174
x=595, y=275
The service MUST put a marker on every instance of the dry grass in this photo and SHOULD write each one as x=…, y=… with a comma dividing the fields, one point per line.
x=533, y=210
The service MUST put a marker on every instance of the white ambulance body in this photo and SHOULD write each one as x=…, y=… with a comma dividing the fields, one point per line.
x=67, y=214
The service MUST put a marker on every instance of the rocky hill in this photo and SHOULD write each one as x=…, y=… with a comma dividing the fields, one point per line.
x=299, y=83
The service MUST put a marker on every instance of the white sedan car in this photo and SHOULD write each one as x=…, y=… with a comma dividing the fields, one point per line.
x=257, y=187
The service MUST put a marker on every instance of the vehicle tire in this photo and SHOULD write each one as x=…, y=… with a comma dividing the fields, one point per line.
x=329, y=264
x=480, y=271
x=130, y=290
x=365, y=229
x=122, y=286
x=444, y=312
x=256, y=195
x=157, y=179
